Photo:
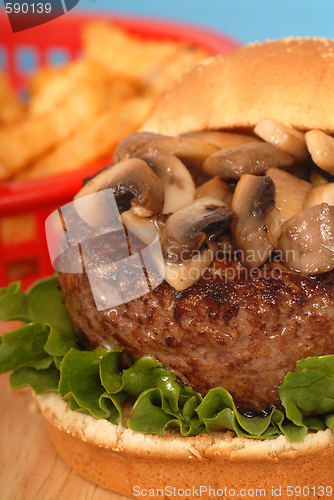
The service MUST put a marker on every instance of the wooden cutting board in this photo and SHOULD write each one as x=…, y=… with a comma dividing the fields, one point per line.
x=30, y=468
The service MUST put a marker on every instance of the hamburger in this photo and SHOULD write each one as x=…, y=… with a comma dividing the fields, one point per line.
x=218, y=380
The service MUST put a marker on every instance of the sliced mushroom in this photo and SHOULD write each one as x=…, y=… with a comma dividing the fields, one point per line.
x=247, y=159
x=256, y=226
x=181, y=275
x=130, y=144
x=321, y=147
x=290, y=192
x=178, y=184
x=324, y=193
x=225, y=245
x=307, y=240
x=317, y=178
x=224, y=140
x=217, y=188
x=133, y=184
x=139, y=225
x=160, y=222
x=193, y=152
x=191, y=225
x=287, y=138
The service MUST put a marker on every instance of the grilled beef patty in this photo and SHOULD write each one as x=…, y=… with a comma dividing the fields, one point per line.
x=233, y=328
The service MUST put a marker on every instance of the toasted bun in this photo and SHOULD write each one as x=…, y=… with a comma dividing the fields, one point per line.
x=119, y=459
x=289, y=80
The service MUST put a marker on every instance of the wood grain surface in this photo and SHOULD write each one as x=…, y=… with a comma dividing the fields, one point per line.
x=30, y=468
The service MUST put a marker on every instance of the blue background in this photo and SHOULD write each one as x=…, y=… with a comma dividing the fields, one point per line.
x=245, y=20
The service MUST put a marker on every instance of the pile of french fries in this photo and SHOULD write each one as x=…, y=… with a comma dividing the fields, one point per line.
x=77, y=113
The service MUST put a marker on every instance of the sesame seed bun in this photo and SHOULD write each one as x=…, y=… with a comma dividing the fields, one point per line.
x=119, y=459
x=289, y=80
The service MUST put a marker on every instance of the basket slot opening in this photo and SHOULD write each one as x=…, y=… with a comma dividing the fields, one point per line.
x=3, y=57
x=18, y=228
x=26, y=59
x=58, y=56
x=22, y=268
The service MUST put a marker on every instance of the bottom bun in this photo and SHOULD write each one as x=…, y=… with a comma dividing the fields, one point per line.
x=218, y=465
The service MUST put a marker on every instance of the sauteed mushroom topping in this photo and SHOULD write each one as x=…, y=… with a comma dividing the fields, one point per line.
x=247, y=159
x=323, y=193
x=307, y=240
x=188, y=228
x=287, y=138
x=138, y=225
x=321, y=147
x=317, y=177
x=193, y=152
x=224, y=140
x=134, y=184
x=290, y=192
x=130, y=144
x=218, y=188
x=256, y=227
x=241, y=195
x=178, y=184
x=181, y=275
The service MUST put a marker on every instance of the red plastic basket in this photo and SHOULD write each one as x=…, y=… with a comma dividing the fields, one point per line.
x=28, y=259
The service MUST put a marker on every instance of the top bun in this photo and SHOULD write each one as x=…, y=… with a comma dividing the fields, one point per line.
x=289, y=80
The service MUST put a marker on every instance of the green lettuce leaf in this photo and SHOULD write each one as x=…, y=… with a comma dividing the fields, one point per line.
x=148, y=415
x=113, y=404
x=80, y=378
x=44, y=304
x=148, y=373
x=23, y=346
x=41, y=380
x=329, y=421
x=59, y=342
x=308, y=391
x=13, y=302
x=43, y=353
x=110, y=378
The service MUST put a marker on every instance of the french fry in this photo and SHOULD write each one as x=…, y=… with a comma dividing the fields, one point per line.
x=61, y=84
x=97, y=140
x=133, y=56
x=114, y=86
x=42, y=76
x=135, y=110
x=11, y=109
x=120, y=89
x=24, y=142
x=174, y=67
